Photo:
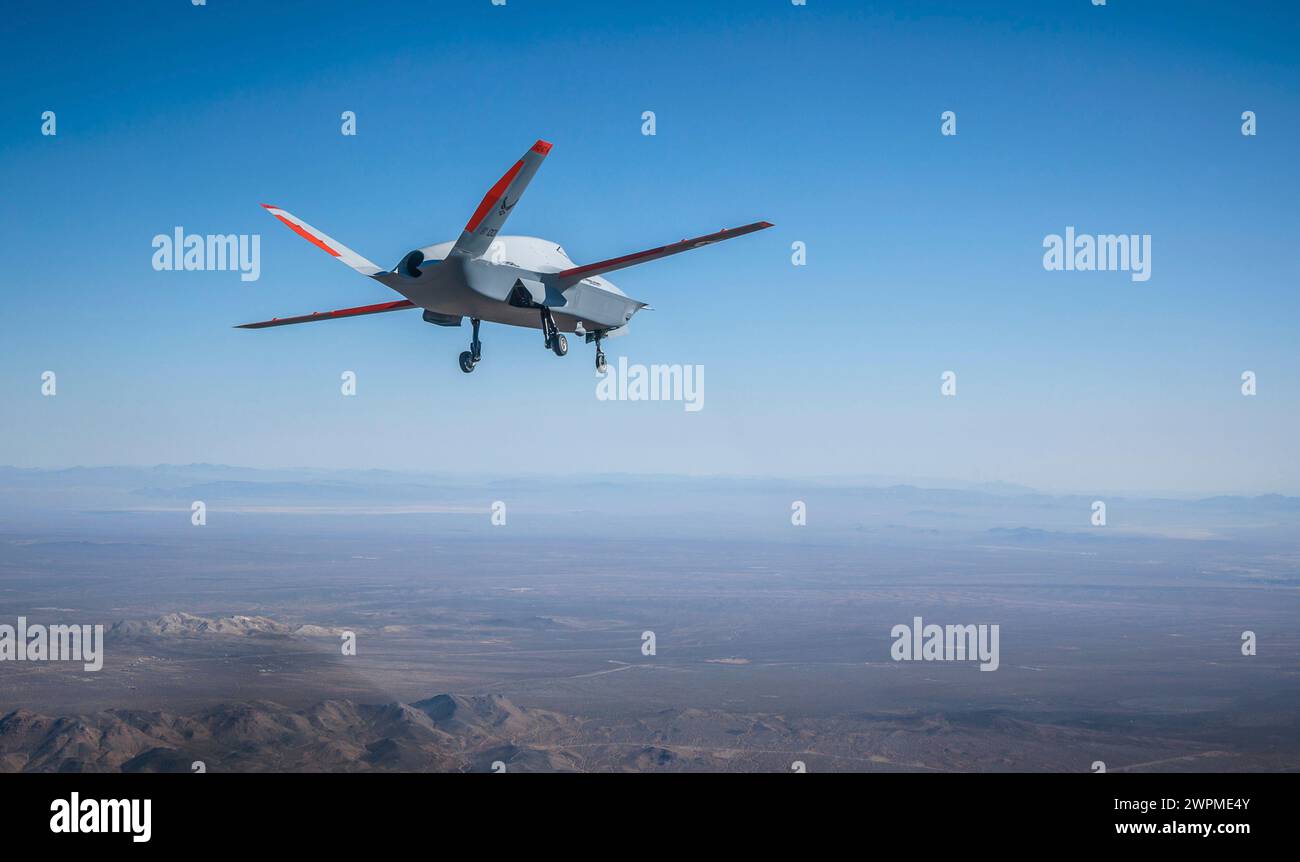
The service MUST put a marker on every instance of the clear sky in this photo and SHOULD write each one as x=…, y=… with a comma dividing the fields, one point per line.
x=924, y=252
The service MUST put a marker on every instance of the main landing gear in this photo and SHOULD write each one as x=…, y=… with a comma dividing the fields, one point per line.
x=601, y=365
x=470, y=357
x=555, y=340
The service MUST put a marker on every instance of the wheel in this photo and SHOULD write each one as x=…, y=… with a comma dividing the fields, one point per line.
x=560, y=344
x=467, y=362
x=601, y=365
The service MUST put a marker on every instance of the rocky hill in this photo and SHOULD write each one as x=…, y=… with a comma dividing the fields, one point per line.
x=442, y=733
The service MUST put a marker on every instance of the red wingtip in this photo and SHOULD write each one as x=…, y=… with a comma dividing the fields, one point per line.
x=270, y=206
x=541, y=147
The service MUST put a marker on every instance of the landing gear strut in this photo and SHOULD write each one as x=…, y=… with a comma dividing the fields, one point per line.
x=601, y=365
x=470, y=357
x=555, y=340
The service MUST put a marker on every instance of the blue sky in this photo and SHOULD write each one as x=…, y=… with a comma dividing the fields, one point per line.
x=924, y=251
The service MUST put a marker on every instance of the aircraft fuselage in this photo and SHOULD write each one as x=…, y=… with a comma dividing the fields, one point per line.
x=507, y=285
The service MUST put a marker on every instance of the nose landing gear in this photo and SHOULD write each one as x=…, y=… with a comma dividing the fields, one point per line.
x=470, y=357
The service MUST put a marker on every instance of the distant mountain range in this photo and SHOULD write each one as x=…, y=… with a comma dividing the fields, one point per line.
x=169, y=481
x=637, y=504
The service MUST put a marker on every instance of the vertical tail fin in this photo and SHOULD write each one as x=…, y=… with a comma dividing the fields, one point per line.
x=487, y=221
x=320, y=240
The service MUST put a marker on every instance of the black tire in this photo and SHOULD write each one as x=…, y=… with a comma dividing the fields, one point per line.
x=560, y=344
x=602, y=364
x=467, y=362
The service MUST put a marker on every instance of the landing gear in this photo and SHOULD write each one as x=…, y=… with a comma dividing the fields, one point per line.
x=601, y=365
x=555, y=340
x=470, y=357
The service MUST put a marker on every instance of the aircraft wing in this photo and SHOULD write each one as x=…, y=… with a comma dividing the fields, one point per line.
x=398, y=305
x=578, y=273
x=486, y=222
